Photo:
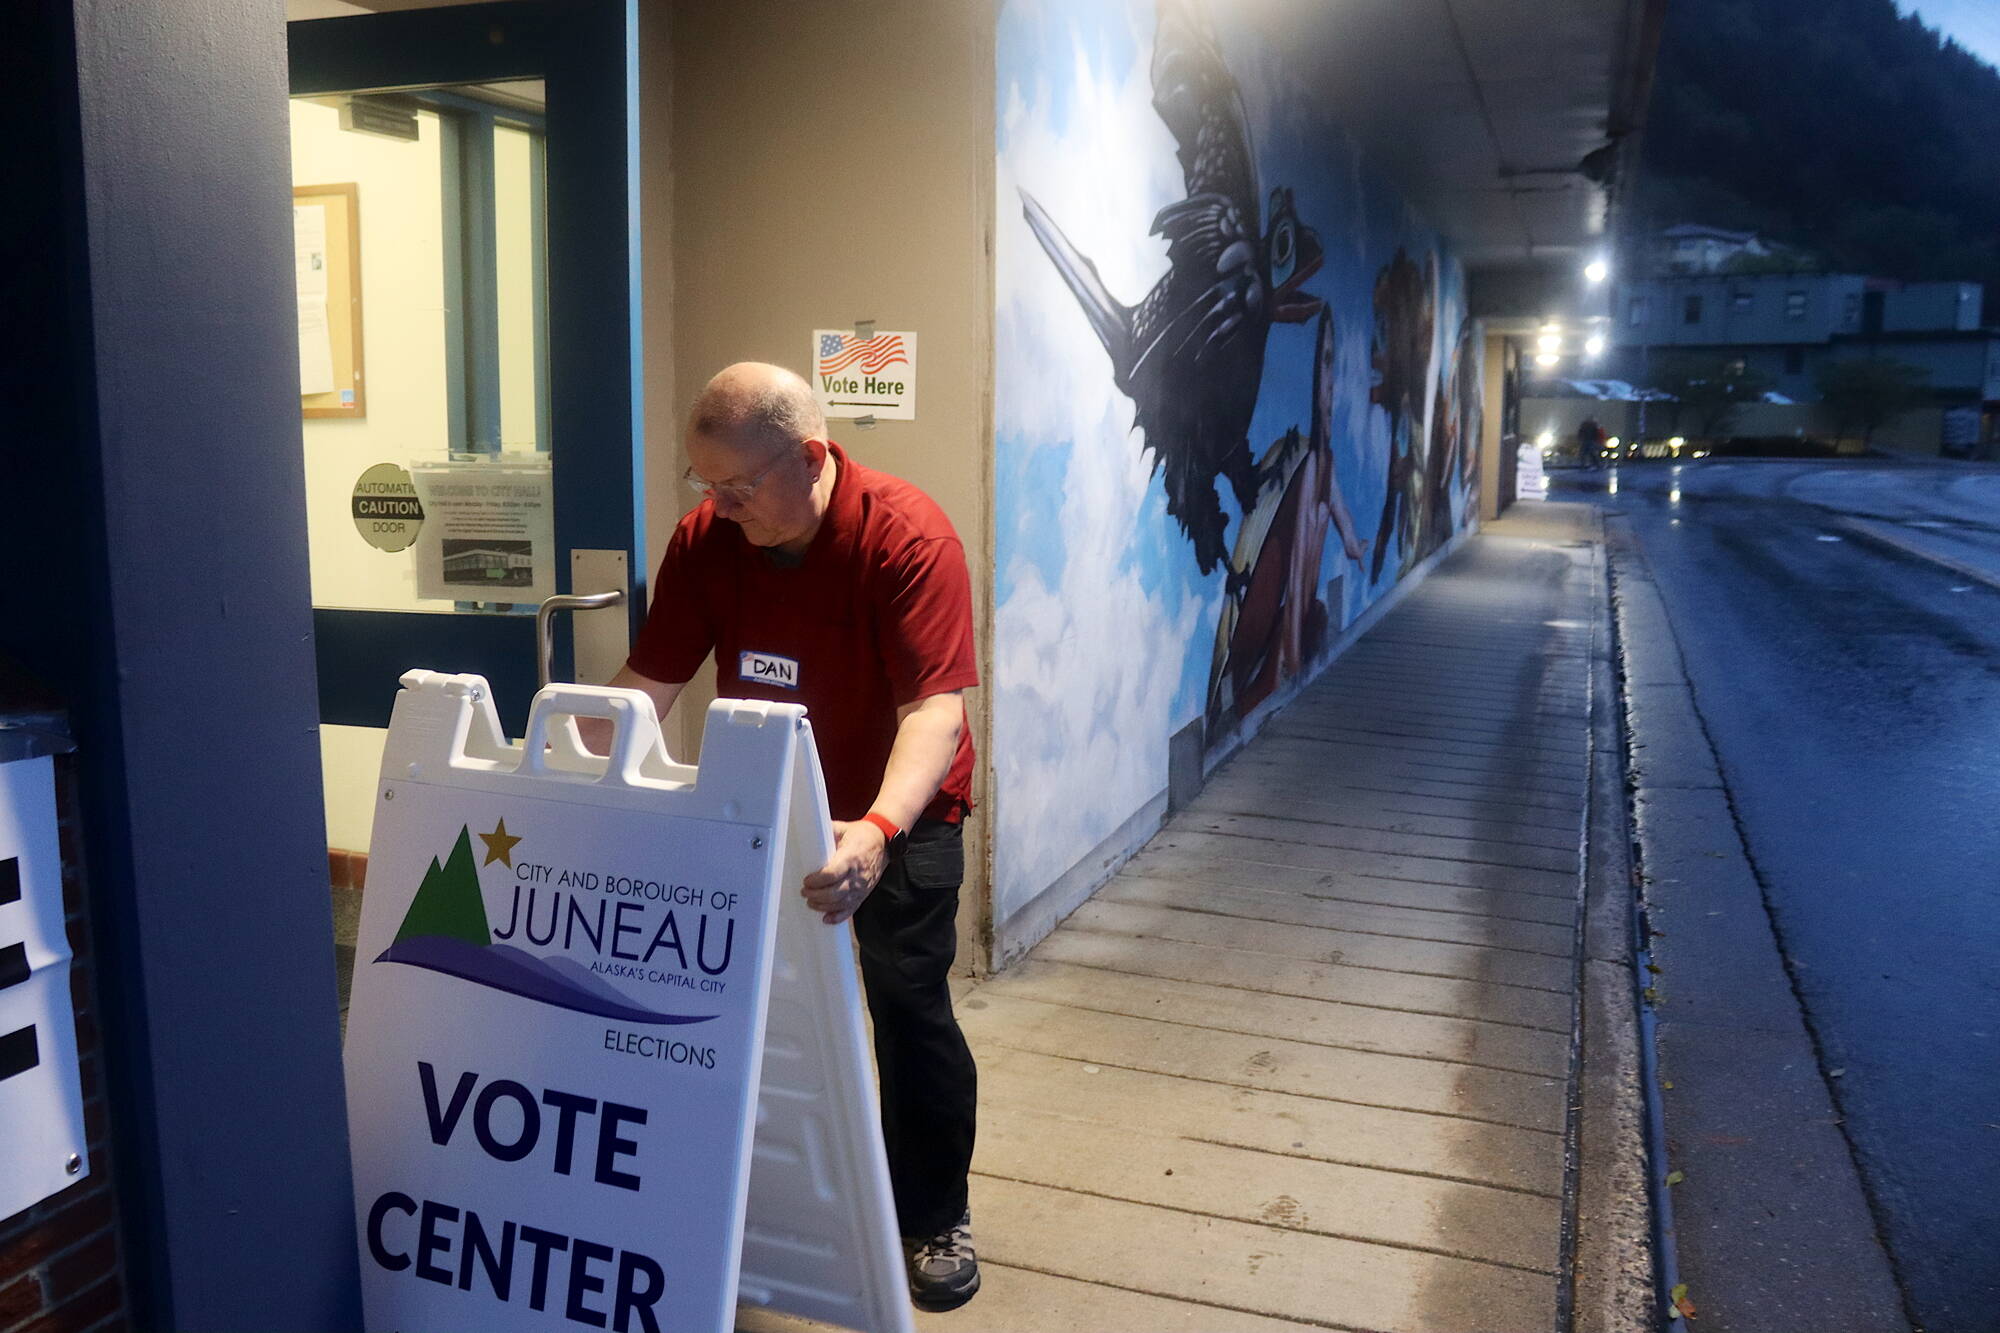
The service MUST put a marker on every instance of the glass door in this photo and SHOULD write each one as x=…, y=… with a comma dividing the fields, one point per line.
x=466, y=172
x=463, y=196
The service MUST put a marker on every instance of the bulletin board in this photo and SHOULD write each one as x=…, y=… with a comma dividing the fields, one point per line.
x=334, y=321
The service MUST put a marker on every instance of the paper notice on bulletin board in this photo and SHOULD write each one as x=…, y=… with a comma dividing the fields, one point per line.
x=489, y=531
x=315, y=335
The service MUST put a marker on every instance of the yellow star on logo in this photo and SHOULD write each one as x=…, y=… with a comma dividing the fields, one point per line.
x=499, y=846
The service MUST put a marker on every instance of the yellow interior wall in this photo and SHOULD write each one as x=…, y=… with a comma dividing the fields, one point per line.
x=403, y=348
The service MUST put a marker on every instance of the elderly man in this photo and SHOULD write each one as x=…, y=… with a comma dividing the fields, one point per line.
x=816, y=580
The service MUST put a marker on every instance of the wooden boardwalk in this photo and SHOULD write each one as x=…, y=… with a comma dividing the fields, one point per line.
x=1305, y=1061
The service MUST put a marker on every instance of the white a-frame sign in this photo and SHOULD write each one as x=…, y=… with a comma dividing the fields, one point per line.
x=582, y=993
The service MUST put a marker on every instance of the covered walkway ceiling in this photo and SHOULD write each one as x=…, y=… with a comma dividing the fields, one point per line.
x=1511, y=126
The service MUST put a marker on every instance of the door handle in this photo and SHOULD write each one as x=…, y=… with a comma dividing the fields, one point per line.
x=545, y=646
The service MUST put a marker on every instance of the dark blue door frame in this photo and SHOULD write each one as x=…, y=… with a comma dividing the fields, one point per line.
x=585, y=51
x=152, y=535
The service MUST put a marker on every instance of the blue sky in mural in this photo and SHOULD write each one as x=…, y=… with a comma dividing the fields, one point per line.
x=1028, y=45
x=1105, y=39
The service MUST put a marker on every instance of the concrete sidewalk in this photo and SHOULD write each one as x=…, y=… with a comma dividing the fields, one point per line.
x=1308, y=1059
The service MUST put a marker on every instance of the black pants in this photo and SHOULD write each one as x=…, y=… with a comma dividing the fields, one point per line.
x=908, y=932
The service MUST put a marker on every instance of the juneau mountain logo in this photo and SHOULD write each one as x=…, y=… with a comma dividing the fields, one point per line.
x=446, y=931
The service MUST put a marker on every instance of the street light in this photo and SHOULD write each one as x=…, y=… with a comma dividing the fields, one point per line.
x=1594, y=345
x=1596, y=271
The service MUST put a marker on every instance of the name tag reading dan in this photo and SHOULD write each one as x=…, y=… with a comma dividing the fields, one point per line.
x=768, y=669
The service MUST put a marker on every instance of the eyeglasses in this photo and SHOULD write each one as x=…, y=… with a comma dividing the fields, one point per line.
x=736, y=492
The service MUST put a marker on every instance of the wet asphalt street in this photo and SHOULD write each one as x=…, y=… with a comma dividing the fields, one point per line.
x=1852, y=691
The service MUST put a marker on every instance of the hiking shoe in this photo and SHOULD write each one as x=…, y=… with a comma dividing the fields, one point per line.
x=944, y=1272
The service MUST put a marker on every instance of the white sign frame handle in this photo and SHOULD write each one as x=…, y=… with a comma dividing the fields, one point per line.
x=638, y=750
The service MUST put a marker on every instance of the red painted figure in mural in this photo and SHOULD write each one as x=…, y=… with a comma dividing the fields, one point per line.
x=1454, y=427
x=1281, y=624
x=1405, y=320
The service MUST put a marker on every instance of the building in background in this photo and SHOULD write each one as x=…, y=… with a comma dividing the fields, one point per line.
x=1787, y=325
x=1782, y=329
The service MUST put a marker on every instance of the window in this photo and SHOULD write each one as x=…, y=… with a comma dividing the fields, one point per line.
x=1741, y=300
x=1691, y=310
x=1795, y=305
x=1636, y=315
x=495, y=303
x=1795, y=360
x=1734, y=369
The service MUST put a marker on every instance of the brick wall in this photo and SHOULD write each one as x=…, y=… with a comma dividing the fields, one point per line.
x=60, y=1266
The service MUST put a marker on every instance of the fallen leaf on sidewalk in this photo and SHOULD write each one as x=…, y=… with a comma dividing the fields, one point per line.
x=1835, y=1073
x=1676, y=1177
x=1681, y=1301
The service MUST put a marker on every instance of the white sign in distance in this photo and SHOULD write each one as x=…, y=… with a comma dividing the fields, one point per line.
x=1531, y=479
x=873, y=376
x=564, y=1140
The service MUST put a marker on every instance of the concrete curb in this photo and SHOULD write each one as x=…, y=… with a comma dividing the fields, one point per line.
x=1613, y=1265
x=1887, y=537
x=1753, y=1124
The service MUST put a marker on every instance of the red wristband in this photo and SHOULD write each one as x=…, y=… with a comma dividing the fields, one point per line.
x=883, y=822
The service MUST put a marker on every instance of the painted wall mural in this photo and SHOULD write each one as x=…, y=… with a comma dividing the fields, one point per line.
x=1224, y=347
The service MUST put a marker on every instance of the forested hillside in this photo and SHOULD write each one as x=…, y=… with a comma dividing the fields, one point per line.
x=1839, y=126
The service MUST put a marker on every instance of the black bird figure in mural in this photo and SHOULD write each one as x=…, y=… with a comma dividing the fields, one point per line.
x=1191, y=354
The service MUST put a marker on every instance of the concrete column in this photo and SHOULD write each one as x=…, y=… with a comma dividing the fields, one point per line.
x=1493, y=477
x=161, y=582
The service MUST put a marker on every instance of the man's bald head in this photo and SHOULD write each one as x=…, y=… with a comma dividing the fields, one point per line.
x=758, y=406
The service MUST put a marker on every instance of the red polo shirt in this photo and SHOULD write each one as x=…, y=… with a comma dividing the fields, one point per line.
x=877, y=614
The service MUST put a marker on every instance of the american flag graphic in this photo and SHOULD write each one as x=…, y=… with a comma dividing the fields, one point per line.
x=839, y=351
